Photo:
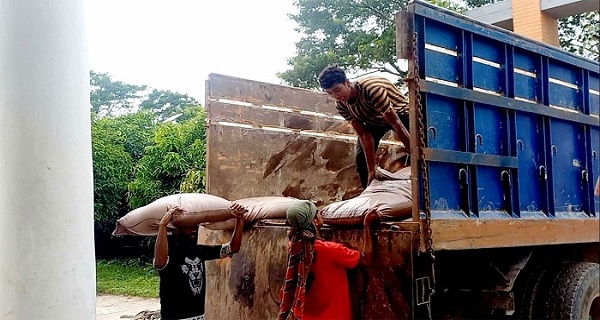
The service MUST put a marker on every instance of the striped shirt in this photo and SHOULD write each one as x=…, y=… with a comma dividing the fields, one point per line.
x=376, y=96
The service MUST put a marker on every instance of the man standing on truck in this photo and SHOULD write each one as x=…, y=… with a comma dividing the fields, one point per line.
x=180, y=263
x=374, y=106
x=316, y=284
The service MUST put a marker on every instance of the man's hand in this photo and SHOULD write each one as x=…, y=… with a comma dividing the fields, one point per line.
x=170, y=215
x=371, y=217
x=237, y=210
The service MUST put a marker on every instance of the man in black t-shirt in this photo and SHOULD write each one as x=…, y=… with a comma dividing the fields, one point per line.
x=180, y=263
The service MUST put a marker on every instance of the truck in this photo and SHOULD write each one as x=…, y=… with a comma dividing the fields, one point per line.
x=505, y=137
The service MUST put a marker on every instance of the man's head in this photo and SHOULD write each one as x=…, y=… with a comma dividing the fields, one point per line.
x=304, y=215
x=186, y=236
x=333, y=80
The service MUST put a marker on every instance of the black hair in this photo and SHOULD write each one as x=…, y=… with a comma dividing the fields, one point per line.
x=331, y=75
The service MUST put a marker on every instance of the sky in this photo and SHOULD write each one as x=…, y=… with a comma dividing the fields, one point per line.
x=175, y=44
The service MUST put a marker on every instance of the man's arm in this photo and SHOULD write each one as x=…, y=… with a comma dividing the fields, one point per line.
x=236, y=239
x=366, y=141
x=371, y=217
x=192, y=220
x=392, y=118
x=161, y=247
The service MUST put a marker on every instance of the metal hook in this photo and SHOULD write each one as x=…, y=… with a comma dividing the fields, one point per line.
x=543, y=173
x=434, y=130
x=520, y=144
x=554, y=150
x=480, y=138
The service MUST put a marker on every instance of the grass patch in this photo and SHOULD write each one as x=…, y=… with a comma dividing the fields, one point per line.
x=126, y=278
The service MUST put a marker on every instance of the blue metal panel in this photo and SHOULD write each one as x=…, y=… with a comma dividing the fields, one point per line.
x=530, y=151
x=594, y=99
x=563, y=96
x=526, y=87
x=492, y=156
x=490, y=130
x=441, y=66
x=487, y=78
x=446, y=199
x=490, y=192
x=526, y=61
x=488, y=49
x=595, y=172
x=445, y=121
x=568, y=162
x=441, y=35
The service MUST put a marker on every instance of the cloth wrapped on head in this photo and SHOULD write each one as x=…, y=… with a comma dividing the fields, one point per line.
x=301, y=215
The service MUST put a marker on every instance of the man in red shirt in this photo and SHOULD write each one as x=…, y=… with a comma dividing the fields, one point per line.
x=316, y=284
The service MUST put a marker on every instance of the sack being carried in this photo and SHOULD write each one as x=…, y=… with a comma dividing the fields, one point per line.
x=144, y=221
x=390, y=193
x=259, y=208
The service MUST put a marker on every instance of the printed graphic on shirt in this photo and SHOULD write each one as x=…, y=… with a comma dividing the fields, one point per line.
x=195, y=270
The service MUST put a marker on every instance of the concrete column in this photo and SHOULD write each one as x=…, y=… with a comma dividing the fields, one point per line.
x=47, y=268
x=530, y=21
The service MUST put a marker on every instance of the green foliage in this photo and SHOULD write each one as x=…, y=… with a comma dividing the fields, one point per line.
x=356, y=34
x=110, y=98
x=165, y=104
x=126, y=277
x=173, y=163
x=580, y=34
x=116, y=144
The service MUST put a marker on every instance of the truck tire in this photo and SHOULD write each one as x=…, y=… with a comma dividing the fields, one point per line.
x=531, y=296
x=575, y=292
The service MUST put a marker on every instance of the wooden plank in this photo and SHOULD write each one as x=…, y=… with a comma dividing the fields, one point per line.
x=475, y=233
x=257, y=115
x=259, y=93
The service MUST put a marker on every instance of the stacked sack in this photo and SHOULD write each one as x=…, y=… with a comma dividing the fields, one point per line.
x=390, y=193
x=215, y=211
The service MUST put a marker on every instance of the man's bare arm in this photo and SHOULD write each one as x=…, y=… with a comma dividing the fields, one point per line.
x=236, y=239
x=368, y=255
x=368, y=145
x=392, y=118
x=161, y=247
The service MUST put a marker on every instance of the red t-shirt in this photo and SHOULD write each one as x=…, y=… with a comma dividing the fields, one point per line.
x=329, y=296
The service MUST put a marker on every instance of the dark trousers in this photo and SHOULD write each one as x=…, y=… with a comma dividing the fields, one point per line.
x=377, y=133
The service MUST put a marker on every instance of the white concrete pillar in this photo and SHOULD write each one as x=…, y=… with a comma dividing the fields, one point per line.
x=47, y=268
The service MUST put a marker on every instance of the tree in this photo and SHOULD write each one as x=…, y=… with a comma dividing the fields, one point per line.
x=117, y=143
x=110, y=98
x=174, y=162
x=579, y=34
x=359, y=35
x=167, y=103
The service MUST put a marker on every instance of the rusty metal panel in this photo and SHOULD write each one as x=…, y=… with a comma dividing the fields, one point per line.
x=259, y=116
x=247, y=285
x=261, y=93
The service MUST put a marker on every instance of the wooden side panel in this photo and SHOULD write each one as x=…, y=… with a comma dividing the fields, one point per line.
x=476, y=234
x=248, y=284
x=245, y=163
x=261, y=93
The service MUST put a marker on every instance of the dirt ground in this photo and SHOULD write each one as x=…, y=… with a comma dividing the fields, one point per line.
x=109, y=307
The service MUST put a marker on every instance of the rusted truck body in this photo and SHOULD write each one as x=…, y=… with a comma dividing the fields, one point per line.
x=504, y=158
